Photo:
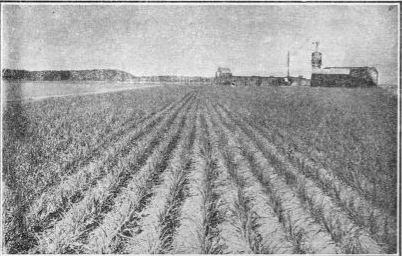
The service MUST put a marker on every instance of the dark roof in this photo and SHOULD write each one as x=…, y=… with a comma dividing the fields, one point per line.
x=347, y=67
x=224, y=70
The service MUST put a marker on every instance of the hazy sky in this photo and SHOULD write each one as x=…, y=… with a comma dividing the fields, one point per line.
x=196, y=39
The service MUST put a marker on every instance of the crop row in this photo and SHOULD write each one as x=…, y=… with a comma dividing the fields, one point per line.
x=306, y=235
x=200, y=214
x=351, y=133
x=377, y=221
x=260, y=227
x=136, y=193
x=67, y=191
x=47, y=141
x=202, y=175
x=78, y=219
x=365, y=184
x=347, y=235
x=155, y=231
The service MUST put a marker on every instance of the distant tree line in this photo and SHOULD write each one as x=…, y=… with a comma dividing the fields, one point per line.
x=71, y=75
x=93, y=75
x=183, y=79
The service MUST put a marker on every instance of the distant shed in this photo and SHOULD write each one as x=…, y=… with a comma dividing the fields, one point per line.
x=256, y=81
x=345, y=77
x=299, y=81
x=223, y=76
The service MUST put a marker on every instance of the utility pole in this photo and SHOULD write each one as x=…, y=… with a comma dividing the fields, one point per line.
x=288, y=65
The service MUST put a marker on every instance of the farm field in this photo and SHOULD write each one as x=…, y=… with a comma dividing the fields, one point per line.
x=180, y=169
x=38, y=90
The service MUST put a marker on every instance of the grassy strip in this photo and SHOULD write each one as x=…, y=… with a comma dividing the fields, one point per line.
x=260, y=226
x=343, y=230
x=68, y=191
x=153, y=232
x=81, y=216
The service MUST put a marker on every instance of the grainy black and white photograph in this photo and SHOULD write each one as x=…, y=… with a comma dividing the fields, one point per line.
x=200, y=128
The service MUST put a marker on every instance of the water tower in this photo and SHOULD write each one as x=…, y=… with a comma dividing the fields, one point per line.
x=316, y=57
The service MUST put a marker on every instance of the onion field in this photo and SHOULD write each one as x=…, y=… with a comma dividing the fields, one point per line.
x=202, y=170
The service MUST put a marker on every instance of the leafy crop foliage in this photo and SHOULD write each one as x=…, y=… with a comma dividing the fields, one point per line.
x=352, y=131
x=181, y=169
x=42, y=139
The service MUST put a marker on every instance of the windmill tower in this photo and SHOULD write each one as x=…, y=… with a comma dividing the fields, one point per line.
x=316, y=57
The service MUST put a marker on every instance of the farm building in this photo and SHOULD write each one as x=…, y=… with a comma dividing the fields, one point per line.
x=345, y=77
x=341, y=76
x=299, y=81
x=258, y=81
x=223, y=76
